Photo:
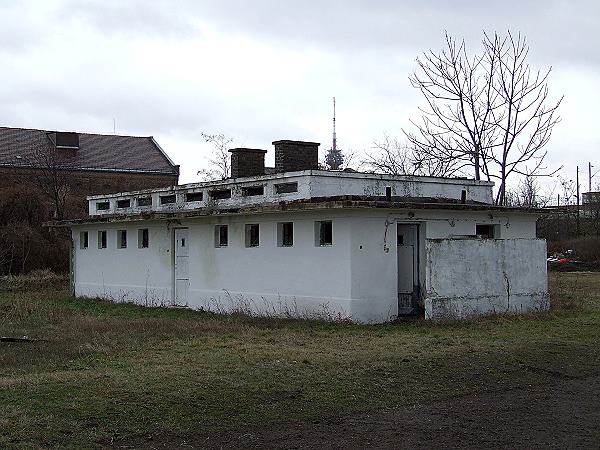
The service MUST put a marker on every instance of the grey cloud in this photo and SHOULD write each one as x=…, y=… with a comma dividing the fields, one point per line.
x=558, y=30
x=133, y=17
x=359, y=51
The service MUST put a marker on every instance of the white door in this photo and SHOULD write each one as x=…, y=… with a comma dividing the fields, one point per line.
x=408, y=269
x=181, y=269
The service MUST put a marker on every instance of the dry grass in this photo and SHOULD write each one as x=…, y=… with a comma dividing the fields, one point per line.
x=574, y=291
x=107, y=371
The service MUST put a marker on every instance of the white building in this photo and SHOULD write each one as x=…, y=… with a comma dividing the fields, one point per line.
x=309, y=243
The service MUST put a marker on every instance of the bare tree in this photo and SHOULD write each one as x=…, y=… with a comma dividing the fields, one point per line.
x=393, y=157
x=219, y=162
x=528, y=193
x=489, y=113
x=49, y=173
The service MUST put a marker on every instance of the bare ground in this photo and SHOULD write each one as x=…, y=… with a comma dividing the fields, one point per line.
x=564, y=414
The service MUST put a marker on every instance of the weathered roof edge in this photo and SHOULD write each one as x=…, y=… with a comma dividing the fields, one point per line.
x=160, y=149
x=296, y=205
x=93, y=169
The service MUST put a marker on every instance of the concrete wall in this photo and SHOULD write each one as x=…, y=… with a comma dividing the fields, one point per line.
x=304, y=280
x=135, y=274
x=355, y=278
x=401, y=186
x=310, y=184
x=471, y=277
x=374, y=266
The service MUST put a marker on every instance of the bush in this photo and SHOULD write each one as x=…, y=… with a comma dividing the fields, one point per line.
x=25, y=244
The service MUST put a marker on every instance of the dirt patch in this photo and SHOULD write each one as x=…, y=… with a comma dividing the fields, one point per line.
x=564, y=414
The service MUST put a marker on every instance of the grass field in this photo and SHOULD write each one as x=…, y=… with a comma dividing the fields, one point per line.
x=105, y=371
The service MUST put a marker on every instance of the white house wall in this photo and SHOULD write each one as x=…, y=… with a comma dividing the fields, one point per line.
x=355, y=278
x=303, y=280
x=135, y=274
x=374, y=270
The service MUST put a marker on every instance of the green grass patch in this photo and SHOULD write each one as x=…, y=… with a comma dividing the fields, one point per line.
x=105, y=371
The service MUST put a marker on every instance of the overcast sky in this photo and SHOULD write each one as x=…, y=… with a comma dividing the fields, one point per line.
x=258, y=71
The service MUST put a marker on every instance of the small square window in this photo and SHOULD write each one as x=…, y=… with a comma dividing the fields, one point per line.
x=252, y=235
x=324, y=233
x=122, y=239
x=102, y=239
x=220, y=194
x=221, y=236
x=251, y=191
x=486, y=231
x=193, y=196
x=285, y=234
x=143, y=238
x=286, y=188
x=168, y=199
x=83, y=240
x=144, y=201
x=123, y=203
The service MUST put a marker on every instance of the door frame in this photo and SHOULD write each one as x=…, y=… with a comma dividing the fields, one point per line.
x=417, y=288
x=173, y=260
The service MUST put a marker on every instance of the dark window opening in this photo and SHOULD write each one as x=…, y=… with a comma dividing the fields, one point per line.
x=101, y=239
x=84, y=240
x=220, y=194
x=325, y=232
x=64, y=139
x=144, y=201
x=183, y=242
x=143, y=238
x=221, y=236
x=463, y=196
x=285, y=234
x=102, y=206
x=122, y=239
x=485, y=231
x=167, y=199
x=286, y=188
x=194, y=196
x=123, y=203
x=252, y=235
x=253, y=190
x=388, y=193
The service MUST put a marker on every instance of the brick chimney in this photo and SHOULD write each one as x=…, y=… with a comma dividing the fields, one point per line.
x=296, y=155
x=247, y=162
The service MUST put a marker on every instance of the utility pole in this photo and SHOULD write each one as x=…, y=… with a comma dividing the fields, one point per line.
x=577, y=201
x=590, y=177
x=558, y=217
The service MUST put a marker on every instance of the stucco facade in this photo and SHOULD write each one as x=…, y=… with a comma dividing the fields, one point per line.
x=368, y=260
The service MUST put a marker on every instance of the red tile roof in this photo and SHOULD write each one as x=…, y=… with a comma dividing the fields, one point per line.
x=20, y=147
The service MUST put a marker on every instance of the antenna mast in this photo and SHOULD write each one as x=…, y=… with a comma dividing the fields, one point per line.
x=334, y=158
x=334, y=146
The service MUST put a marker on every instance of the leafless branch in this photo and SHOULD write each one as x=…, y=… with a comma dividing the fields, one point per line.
x=488, y=113
x=219, y=160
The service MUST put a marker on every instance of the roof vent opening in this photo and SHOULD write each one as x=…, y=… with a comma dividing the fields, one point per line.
x=65, y=140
